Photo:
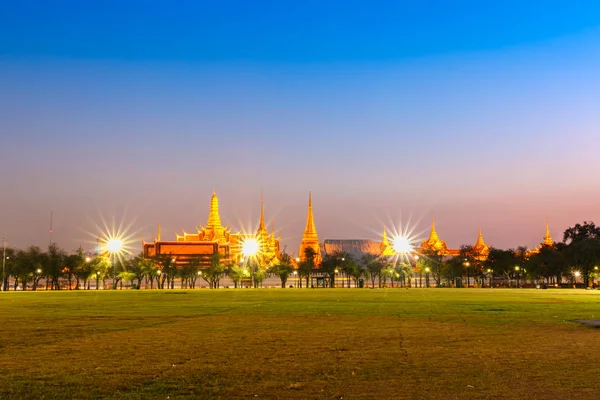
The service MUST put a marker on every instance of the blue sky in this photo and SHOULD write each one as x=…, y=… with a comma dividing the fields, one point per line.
x=482, y=113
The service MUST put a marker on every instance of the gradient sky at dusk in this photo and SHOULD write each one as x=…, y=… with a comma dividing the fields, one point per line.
x=481, y=113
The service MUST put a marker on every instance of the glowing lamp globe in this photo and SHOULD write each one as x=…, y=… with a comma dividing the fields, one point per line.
x=402, y=245
x=114, y=245
x=250, y=247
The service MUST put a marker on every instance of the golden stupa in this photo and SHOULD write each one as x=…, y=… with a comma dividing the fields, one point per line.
x=310, y=239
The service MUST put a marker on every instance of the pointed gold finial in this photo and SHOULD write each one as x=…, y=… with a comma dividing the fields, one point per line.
x=158, y=233
x=384, y=239
x=548, y=238
x=310, y=220
x=433, y=236
x=262, y=213
x=480, y=243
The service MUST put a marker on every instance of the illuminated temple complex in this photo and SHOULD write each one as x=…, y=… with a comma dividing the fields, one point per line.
x=434, y=243
x=213, y=238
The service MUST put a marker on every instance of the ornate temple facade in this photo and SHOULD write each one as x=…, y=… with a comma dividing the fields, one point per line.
x=310, y=238
x=213, y=238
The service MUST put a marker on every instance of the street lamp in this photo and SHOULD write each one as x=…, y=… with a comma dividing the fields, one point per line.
x=517, y=269
x=427, y=277
x=114, y=246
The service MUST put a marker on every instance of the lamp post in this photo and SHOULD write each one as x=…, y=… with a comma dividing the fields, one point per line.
x=114, y=246
x=577, y=274
x=517, y=269
x=427, y=277
x=491, y=274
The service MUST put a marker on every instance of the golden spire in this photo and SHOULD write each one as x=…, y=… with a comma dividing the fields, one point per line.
x=434, y=242
x=384, y=246
x=310, y=239
x=384, y=239
x=480, y=242
x=548, y=239
x=213, y=217
x=158, y=238
x=310, y=230
x=261, y=226
x=433, y=236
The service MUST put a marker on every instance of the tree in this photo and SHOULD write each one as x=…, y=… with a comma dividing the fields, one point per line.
x=307, y=265
x=73, y=263
x=283, y=269
x=100, y=269
x=237, y=273
x=149, y=269
x=583, y=248
x=433, y=260
x=213, y=274
x=55, y=265
x=372, y=267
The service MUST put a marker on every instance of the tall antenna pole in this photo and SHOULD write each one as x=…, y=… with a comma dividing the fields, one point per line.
x=4, y=264
x=51, y=215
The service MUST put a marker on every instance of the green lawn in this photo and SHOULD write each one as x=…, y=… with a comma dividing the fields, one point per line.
x=305, y=344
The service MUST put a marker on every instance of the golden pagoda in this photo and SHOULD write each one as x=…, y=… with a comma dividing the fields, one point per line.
x=310, y=239
x=547, y=238
x=434, y=243
x=268, y=243
x=385, y=248
x=481, y=249
x=214, y=237
x=547, y=241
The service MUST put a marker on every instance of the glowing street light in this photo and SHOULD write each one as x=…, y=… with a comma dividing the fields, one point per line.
x=250, y=247
x=88, y=259
x=114, y=245
x=402, y=245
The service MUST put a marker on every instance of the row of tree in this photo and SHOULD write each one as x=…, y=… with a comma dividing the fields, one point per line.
x=576, y=257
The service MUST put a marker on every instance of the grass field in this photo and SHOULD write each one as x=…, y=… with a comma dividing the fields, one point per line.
x=308, y=344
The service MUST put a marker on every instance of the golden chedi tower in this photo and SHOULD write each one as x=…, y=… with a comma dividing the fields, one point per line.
x=385, y=248
x=213, y=230
x=268, y=243
x=310, y=239
x=547, y=238
x=481, y=249
x=434, y=243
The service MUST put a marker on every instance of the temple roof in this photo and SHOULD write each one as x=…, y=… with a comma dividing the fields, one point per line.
x=434, y=242
x=480, y=246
